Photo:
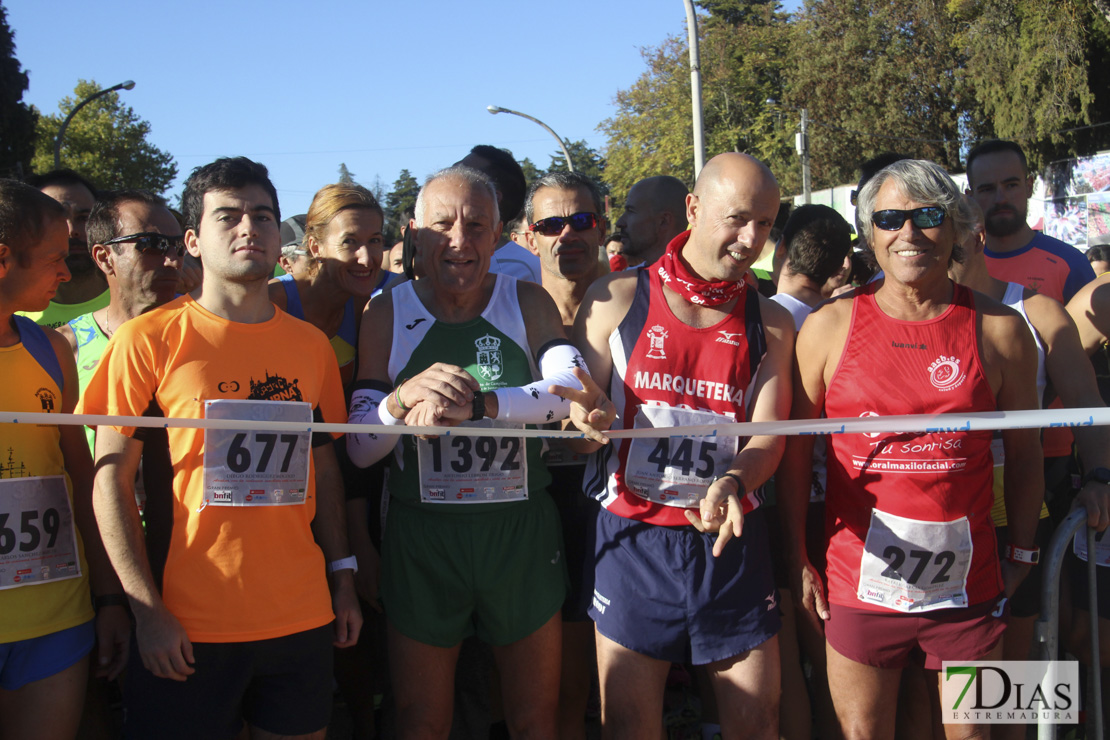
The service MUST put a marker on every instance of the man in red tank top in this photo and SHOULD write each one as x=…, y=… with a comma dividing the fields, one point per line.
x=913, y=572
x=685, y=342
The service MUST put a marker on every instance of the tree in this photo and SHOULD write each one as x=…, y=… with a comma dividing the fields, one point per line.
x=881, y=75
x=106, y=142
x=345, y=175
x=1036, y=66
x=17, y=119
x=743, y=47
x=531, y=171
x=587, y=161
x=400, y=203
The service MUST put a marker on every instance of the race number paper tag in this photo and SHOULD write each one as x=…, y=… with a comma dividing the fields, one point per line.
x=38, y=542
x=915, y=566
x=256, y=468
x=1102, y=548
x=559, y=455
x=472, y=470
x=677, y=471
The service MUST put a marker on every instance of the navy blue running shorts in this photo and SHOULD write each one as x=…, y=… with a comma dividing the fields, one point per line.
x=660, y=592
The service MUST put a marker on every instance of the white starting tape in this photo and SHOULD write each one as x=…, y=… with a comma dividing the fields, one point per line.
x=924, y=423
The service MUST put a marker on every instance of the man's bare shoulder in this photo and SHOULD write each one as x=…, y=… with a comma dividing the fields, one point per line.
x=995, y=311
x=1047, y=314
x=832, y=315
x=1094, y=294
x=610, y=296
x=1004, y=331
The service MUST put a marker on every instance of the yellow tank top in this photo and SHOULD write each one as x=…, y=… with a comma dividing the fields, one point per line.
x=31, y=606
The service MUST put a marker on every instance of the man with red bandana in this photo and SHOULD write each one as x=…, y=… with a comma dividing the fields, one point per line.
x=686, y=342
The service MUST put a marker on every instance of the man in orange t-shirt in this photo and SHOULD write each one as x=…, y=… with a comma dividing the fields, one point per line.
x=235, y=621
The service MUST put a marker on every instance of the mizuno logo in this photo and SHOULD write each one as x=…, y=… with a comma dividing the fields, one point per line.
x=413, y=325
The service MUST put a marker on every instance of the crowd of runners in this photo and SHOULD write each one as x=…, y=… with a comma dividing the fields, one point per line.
x=233, y=579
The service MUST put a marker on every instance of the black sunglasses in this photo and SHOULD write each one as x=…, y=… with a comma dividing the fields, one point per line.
x=150, y=242
x=553, y=225
x=928, y=217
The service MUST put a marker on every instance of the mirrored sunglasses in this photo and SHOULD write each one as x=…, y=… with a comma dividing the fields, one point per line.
x=927, y=217
x=149, y=242
x=553, y=225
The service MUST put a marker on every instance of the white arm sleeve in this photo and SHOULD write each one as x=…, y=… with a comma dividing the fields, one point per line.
x=532, y=404
x=365, y=449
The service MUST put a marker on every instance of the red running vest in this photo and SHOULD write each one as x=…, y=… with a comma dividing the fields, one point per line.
x=920, y=502
x=667, y=374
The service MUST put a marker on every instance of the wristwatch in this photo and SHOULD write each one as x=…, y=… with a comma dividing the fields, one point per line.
x=739, y=483
x=478, y=407
x=1101, y=475
x=347, y=563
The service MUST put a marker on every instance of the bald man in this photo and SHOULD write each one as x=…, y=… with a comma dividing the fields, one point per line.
x=682, y=565
x=654, y=214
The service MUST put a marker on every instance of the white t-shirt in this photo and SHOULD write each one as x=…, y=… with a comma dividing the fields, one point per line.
x=796, y=308
x=516, y=261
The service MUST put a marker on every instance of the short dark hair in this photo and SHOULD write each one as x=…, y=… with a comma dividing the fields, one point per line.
x=994, y=146
x=563, y=180
x=63, y=176
x=871, y=167
x=24, y=214
x=1098, y=253
x=507, y=176
x=226, y=173
x=817, y=240
x=103, y=224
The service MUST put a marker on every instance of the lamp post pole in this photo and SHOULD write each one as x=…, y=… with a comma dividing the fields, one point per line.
x=127, y=85
x=801, y=145
x=494, y=109
x=803, y=152
x=695, y=89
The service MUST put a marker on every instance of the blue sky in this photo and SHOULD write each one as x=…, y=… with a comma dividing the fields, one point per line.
x=380, y=86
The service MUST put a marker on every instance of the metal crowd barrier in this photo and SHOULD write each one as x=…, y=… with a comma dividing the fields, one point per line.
x=1048, y=624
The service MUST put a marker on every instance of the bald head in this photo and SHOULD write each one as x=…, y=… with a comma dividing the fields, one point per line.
x=654, y=214
x=735, y=166
x=731, y=212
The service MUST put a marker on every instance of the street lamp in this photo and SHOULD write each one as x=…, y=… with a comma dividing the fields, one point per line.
x=493, y=109
x=129, y=84
x=801, y=145
x=695, y=89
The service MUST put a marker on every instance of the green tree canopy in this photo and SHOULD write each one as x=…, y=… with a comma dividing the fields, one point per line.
x=878, y=75
x=17, y=119
x=587, y=161
x=345, y=175
x=531, y=171
x=1037, y=68
x=743, y=53
x=399, y=203
x=927, y=78
x=106, y=141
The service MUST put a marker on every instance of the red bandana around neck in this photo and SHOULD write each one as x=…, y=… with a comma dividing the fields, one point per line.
x=697, y=291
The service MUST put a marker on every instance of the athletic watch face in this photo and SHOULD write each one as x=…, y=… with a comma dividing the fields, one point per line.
x=1102, y=475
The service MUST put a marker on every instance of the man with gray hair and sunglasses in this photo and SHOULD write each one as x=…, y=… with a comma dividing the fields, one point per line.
x=137, y=243
x=913, y=571
x=472, y=542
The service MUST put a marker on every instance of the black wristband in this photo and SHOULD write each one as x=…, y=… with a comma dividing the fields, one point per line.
x=111, y=600
x=478, y=407
x=739, y=483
